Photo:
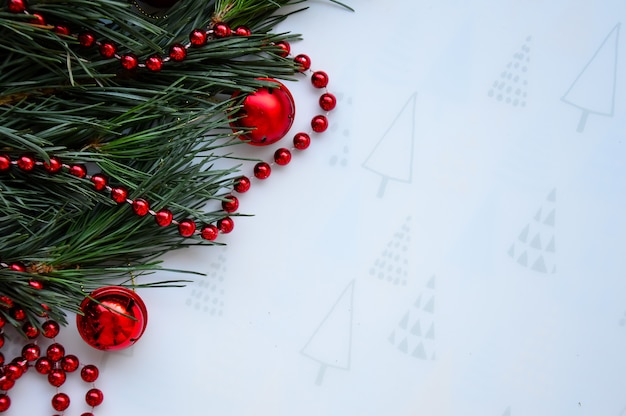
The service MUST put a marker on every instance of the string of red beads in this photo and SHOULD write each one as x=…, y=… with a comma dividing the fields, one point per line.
x=55, y=364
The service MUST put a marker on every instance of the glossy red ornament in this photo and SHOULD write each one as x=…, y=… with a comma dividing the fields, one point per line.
x=154, y=63
x=5, y=402
x=53, y=166
x=6, y=384
x=222, y=30
x=226, y=225
x=107, y=49
x=113, y=318
x=37, y=19
x=319, y=124
x=5, y=163
x=186, y=228
x=266, y=114
x=209, y=232
x=230, y=203
x=164, y=217
x=100, y=181
x=62, y=30
x=319, y=79
x=60, y=402
x=242, y=31
x=262, y=170
x=31, y=352
x=197, y=37
x=70, y=363
x=78, y=170
x=328, y=101
x=284, y=47
x=89, y=373
x=16, y=6
x=57, y=377
x=17, y=267
x=94, y=397
x=303, y=61
x=43, y=365
x=86, y=39
x=119, y=194
x=242, y=184
x=141, y=207
x=129, y=61
x=26, y=163
x=50, y=329
x=18, y=314
x=282, y=156
x=30, y=330
x=55, y=351
x=13, y=371
x=35, y=284
x=177, y=52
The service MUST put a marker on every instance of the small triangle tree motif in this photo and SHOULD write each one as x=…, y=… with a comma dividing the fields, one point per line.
x=415, y=333
x=593, y=90
x=208, y=292
x=535, y=246
x=392, y=157
x=392, y=264
x=510, y=87
x=331, y=343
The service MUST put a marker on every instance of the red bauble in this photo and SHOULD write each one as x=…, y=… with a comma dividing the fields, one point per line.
x=114, y=318
x=267, y=112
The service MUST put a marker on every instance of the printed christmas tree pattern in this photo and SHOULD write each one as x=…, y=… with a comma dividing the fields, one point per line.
x=415, y=333
x=593, y=90
x=535, y=245
x=510, y=87
x=392, y=264
x=392, y=157
x=207, y=293
x=341, y=158
x=331, y=343
x=507, y=412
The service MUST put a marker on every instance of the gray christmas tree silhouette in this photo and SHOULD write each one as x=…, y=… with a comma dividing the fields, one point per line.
x=331, y=343
x=535, y=246
x=510, y=87
x=207, y=292
x=392, y=264
x=415, y=333
x=392, y=157
x=593, y=90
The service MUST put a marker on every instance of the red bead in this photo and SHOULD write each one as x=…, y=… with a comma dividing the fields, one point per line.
x=1, y=340
x=164, y=217
x=1, y=360
x=69, y=363
x=6, y=302
x=186, y=228
x=50, y=329
x=301, y=141
x=86, y=39
x=35, y=284
x=30, y=330
x=319, y=124
x=89, y=373
x=5, y=163
x=262, y=170
x=3, y=321
x=282, y=156
x=284, y=47
x=13, y=371
x=60, y=402
x=112, y=318
x=100, y=181
x=55, y=351
x=57, y=377
x=18, y=314
x=16, y=6
x=43, y=365
x=17, y=267
x=94, y=397
x=154, y=63
x=303, y=61
x=87, y=414
x=53, y=166
x=222, y=30
x=319, y=79
x=5, y=402
x=37, y=19
x=78, y=170
x=197, y=37
x=266, y=115
x=178, y=53
x=31, y=352
x=328, y=101
x=119, y=195
x=62, y=30
x=242, y=184
x=242, y=31
x=107, y=49
x=230, y=203
x=141, y=207
x=226, y=225
x=26, y=163
x=128, y=61
x=209, y=232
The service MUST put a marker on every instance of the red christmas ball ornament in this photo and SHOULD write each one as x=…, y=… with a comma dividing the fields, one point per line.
x=267, y=114
x=113, y=318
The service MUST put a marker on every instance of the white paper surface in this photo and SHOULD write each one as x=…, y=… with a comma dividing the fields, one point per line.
x=453, y=245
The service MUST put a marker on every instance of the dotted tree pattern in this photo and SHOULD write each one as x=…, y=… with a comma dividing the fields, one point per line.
x=392, y=264
x=510, y=87
x=208, y=292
